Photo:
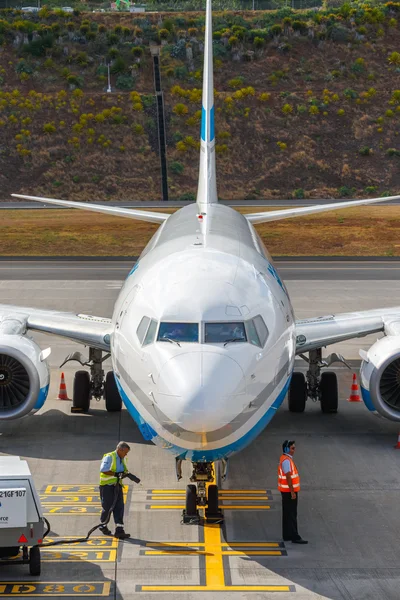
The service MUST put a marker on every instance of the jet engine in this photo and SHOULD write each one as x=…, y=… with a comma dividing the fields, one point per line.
x=24, y=376
x=380, y=377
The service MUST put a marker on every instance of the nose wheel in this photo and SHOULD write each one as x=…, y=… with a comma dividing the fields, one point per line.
x=203, y=494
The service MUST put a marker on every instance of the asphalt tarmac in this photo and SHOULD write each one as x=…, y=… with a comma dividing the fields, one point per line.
x=324, y=269
x=350, y=474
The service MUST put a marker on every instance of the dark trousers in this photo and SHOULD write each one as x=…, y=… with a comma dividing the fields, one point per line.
x=289, y=517
x=107, y=499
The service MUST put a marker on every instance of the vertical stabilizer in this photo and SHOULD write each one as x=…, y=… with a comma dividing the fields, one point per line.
x=207, y=188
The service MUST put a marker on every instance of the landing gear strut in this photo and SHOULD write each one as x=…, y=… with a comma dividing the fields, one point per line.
x=319, y=387
x=93, y=384
x=204, y=495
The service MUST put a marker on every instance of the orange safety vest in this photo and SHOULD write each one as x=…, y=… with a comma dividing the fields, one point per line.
x=282, y=481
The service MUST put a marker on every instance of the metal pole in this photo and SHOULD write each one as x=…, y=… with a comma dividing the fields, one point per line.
x=109, y=81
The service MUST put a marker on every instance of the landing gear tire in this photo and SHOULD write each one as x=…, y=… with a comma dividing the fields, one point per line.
x=111, y=394
x=297, y=393
x=329, y=392
x=81, y=394
x=34, y=561
x=191, y=500
x=191, y=514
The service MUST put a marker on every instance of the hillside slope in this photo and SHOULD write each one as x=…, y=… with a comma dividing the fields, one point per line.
x=307, y=104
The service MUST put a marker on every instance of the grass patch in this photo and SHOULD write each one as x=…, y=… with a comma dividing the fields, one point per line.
x=365, y=231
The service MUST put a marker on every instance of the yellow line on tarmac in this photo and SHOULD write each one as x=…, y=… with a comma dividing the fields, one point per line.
x=251, y=545
x=222, y=507
x=221, y=497
x=175, y=552
x=207, y=588
x=214, y=565
x=183, y=492
x=252, y=553
x=174, y=544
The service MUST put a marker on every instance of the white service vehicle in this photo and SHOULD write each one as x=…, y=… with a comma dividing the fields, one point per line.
x=203, y=337
x=21, y=517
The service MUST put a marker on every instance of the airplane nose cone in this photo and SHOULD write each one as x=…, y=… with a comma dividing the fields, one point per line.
x=201, y=391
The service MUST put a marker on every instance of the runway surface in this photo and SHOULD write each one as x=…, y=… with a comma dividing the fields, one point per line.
x=25, y=204
x=117, y=269
x=348, y=508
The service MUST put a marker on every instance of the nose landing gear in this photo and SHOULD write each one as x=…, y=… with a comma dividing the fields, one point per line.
x=205, y=495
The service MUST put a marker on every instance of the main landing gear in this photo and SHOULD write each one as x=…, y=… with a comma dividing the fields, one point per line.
x=88, y=385
x=203, y=492
x=319, y=387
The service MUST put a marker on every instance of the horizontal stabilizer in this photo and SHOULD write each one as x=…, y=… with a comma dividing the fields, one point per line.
x=127, y=213
x=278, y=215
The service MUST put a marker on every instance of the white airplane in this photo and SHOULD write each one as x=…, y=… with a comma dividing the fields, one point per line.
x=203, y=337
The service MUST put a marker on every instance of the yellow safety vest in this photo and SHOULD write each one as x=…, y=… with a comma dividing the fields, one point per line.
x=110, y=479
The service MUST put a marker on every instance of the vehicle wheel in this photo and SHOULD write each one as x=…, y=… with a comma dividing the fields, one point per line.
x=329, y=392
x=111, y=394
x=191, y=501
x=34, y=561
x=297, y=393
x=212, y=500
x=81, y=395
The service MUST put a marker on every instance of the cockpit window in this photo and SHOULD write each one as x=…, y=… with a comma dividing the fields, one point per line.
x=142, y=328
x=178, y=332
x=151, y=333
x=220, y=333
x=252, y=333
x=261, y=328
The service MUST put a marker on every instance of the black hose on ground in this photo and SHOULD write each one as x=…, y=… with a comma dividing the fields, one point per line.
x=93, y=529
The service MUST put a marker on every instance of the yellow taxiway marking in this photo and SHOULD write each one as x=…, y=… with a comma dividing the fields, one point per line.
x=221, y=492
x=223, y=544
x=212, y=554
x=218, y=588
x=221, y=497
x=10, y=589
x=222, y=507
x=214, y=566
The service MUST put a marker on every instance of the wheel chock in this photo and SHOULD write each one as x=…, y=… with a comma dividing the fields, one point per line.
x=190, y=519
x=76, y=409
x=217, y=517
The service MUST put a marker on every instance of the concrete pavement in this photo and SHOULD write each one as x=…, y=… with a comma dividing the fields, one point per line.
x=348, y=505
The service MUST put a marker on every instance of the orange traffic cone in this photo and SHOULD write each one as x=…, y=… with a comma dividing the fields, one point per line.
x=355, y=391
x=62, y=394
x=397, y=446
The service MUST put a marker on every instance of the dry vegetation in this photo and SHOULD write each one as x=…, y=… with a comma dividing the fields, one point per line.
x=357, y=232
x=307, y=103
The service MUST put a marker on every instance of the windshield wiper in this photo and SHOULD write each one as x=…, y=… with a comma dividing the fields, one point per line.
x=234, y=340
x=166, y=339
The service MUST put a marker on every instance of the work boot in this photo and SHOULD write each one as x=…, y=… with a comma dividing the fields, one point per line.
x=120, y=534
x=104, y=530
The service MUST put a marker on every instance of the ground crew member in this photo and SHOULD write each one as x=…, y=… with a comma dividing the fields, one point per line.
x=113, y=464
x=289, y=486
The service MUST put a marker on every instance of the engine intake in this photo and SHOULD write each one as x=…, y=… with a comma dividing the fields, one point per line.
x=380, y=377
x=19, y=380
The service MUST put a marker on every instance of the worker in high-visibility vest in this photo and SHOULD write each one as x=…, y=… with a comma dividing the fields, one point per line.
x=112, y=467
x=289, y=486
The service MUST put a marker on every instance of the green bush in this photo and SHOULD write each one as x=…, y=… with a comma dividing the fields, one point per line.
x=118, y=66
x=299, y=194
x=176, y=167
x=365, y=151
x=392, y=152
x=345, y=191
x=188, y=197
x=125, y=82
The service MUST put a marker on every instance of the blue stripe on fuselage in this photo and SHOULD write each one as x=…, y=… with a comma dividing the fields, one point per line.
x=203, y=123
x=212, y=124
x=201, y=455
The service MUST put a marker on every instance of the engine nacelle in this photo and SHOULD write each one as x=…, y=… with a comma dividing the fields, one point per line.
x=24, y=376
x=380, y=377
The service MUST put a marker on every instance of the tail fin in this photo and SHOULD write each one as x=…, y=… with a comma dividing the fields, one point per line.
x=207, y=188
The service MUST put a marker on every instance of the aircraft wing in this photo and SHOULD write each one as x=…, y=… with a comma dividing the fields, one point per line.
x=84, y=329
x=278, y=215
x=319, y=332
x=127, y=213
